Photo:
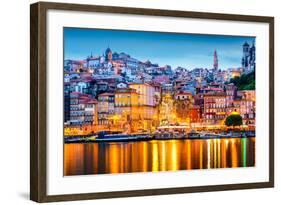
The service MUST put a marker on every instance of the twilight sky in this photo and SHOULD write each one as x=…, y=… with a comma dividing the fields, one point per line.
x=186, y=50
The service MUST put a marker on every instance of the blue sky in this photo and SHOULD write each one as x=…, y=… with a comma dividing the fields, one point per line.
x=186, y=50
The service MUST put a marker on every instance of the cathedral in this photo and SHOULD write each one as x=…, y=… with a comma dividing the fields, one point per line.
x=108, y=55
x=249, y=57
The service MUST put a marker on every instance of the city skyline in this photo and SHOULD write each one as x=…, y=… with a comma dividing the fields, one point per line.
x=125, y=114
x=192, y=50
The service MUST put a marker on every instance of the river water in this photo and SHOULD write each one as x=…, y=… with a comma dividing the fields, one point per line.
x=157, y=155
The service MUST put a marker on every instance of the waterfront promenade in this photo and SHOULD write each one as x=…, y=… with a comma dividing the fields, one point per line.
x=121, y=137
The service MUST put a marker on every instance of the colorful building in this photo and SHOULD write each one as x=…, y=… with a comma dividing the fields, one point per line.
x=91, y=112
x=83, y=114
x=146, y=104
x=231, y=94
x=183, y=102
x=248, y=106
x=127, y=110
x=214, y=107
x=105, y=108
x=146, y=93
x=77, y=107
x=183, y=95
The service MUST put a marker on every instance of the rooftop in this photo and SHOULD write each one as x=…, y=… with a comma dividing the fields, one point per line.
x=218, y=94
x=106, y=94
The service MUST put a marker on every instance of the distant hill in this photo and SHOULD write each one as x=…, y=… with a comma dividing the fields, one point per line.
x=245, y=81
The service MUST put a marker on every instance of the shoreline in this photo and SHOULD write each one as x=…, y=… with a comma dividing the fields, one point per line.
x=91, y=139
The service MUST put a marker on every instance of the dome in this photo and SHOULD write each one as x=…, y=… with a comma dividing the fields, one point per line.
x=246, y=44
x=108, y=51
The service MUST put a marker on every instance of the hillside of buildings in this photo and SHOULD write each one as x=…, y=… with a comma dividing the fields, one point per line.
x=117, y=92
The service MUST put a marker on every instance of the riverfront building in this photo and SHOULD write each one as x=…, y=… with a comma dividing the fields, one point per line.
x=214, y=107
x=105, y=108
x=114, y=91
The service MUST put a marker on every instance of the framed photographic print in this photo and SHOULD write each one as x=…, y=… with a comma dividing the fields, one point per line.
x=134, y=102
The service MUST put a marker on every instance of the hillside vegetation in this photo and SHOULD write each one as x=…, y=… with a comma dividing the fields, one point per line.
x=245, y=81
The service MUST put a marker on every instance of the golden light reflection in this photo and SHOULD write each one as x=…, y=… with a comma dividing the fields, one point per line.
x=95, y=158
x=224, y=153
x=234, y=158
x=163, y=156
x=157, y=155
x=155, y=162
x=74, y=160
x=215, y=153
x=114, y=160
x=209, y=154
x=189, y=159
x=144, y=157
x=174, y=154
x=219, y=152
x=122, y=165
x=201, y=155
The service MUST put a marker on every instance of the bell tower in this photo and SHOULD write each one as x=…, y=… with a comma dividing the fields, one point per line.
x=216, y=61
x=108, y=54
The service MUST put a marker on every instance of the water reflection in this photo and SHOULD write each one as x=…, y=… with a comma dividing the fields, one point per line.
x=160, y=155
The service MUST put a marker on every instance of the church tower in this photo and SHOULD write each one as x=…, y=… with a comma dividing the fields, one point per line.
x=216, y=61
x=108, y=55
x=249, y=57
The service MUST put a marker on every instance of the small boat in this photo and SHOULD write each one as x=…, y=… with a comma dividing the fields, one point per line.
x=122, y=137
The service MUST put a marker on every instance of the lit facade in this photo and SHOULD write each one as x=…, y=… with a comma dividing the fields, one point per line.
x=214, y=107
x=105, y=108
x=146, y=93
x=248, y=106
x=77, y=107
x=183, y=102
x=146, y=103
x=91, y=112
x=117, y=92
x=83, y=115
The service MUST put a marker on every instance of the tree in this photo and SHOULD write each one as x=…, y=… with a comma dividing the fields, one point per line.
x=233, y=120
x=245, y=81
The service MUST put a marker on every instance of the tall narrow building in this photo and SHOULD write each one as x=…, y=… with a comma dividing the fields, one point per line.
x=216, y=61
x=249, y=57
x=108, y=54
